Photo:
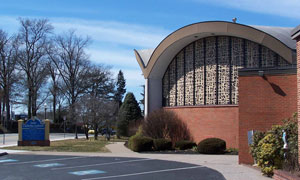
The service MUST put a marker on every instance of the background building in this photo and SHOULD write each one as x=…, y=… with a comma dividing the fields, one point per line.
x=223, y=79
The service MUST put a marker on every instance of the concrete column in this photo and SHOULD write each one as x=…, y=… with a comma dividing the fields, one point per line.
x=146, y=98
x=20, y=123
x=154, y=97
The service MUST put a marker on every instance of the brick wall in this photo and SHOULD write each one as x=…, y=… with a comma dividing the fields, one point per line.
x=211, y=121
x=263, y=102
x=298, y=94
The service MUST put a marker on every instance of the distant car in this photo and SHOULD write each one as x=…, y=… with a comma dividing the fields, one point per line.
x=104, y=131
x=91, y=131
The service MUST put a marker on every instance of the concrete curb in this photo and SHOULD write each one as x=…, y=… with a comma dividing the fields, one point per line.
x=3, y=153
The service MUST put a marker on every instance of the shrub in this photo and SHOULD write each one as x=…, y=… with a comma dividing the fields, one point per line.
x=137, y=134
x=212, y=146
x=291, y=128
x=139, y=143
x=257, y=136
x=267, y=148
x=165, y=124
x=268, y=155
x=162, y=144
x=183, y=145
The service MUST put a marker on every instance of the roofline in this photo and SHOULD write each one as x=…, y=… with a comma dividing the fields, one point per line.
x=296, y=32
x=215, y=27
x=139, y=60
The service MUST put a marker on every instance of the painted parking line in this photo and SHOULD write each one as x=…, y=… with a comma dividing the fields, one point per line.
x=8, y=160
x=88, y=172
x=143, y=173
x=60, y=159
x=48, y=165
x=102, y=164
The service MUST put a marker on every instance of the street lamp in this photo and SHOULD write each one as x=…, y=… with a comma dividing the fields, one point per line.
x=45, y=105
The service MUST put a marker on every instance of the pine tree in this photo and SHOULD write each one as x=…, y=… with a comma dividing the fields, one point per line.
x=129, y=111
x=120, y=91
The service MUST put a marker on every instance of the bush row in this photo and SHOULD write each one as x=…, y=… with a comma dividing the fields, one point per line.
x=140, y=143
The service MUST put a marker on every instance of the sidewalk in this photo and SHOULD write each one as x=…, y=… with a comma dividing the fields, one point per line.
x=225, y=164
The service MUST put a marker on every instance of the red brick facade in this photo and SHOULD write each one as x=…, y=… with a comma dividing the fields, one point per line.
x=211, y=121
x=298, y=93
x=263, y=102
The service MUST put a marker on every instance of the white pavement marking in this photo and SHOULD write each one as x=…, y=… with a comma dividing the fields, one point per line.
x=142, y=173
x=61, y=159
x=48, y=165
x=7, y=160
x=102, y=164
x=88, y=172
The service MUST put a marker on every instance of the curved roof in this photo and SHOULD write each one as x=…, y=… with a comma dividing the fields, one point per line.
x=153, y=62
x=281, y=33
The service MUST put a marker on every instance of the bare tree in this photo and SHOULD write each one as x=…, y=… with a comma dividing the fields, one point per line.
x=101, y=89
x=32, y=58
x=54, y=86
x=83, y=112
x=8, y=52
x=68, y=55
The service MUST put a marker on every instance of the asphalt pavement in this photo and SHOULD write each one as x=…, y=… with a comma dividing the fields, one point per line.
x=46, y=167
x=121, y=163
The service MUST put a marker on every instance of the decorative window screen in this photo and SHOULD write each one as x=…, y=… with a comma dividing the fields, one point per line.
x=206, y=71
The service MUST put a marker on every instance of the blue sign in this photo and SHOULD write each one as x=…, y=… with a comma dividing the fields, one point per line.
x=250, y=137
x=33, y=130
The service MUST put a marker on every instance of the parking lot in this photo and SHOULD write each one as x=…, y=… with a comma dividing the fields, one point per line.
x=23, y=167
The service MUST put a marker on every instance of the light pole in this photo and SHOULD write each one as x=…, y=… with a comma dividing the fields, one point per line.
x=45, y=105
x=64, y=127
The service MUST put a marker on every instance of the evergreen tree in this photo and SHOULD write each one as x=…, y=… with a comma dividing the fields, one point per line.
x=142, y=101
x=121, y=83
x=129, y=111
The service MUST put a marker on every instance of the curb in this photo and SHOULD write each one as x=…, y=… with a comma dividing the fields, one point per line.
x=3, y=153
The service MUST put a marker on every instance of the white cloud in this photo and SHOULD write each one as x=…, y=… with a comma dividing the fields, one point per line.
x=128, y=34
x=114, y=32
x=112, y=43
x=114, y=57
x=287, y=8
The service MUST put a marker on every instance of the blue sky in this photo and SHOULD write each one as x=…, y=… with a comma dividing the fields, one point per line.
x=116, y=27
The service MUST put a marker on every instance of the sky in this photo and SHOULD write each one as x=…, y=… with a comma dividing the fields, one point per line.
x=116, y=27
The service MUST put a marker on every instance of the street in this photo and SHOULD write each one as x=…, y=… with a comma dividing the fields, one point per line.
x=12, y=139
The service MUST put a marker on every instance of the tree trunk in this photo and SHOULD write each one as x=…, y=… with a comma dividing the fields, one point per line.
x=34, y=100
x=3, y=109
x=54, y=109
x=7, y=110
x=96, y=131
x=1, y=98
x=86, y=131
x=29, y=102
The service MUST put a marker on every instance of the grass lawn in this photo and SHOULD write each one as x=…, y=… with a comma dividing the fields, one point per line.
x=72, y=145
